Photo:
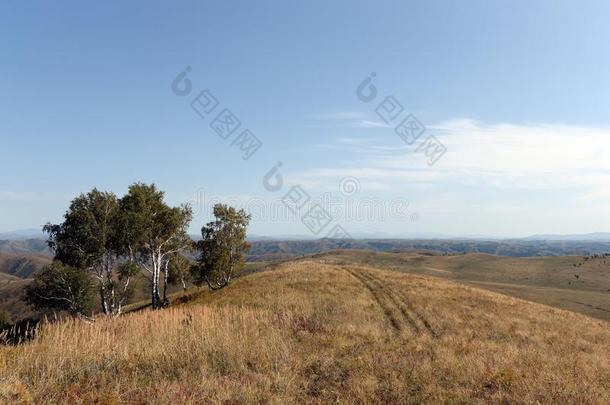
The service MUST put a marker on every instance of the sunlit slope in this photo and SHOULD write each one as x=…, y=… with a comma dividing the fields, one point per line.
x=312, y=332
x=567, y=282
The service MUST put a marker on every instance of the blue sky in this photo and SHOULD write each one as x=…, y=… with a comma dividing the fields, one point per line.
x=518, y=92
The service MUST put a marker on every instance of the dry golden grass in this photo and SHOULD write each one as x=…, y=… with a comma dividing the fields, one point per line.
x=316, y=333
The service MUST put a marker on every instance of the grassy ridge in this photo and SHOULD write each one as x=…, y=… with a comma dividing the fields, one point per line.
x=566, y=282
x=315, y=333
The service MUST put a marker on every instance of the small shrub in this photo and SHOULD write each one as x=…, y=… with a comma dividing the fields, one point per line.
x=5, y=320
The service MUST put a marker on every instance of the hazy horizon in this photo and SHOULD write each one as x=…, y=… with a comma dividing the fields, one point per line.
x=514, y=94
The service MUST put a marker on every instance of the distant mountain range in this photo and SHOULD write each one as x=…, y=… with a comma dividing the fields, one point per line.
x=283, y=247
x=22, y=234
x=274, y=250
x=596, y=236
x=24, y=246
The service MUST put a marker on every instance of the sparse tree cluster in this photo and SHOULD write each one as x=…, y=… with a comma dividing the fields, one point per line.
x=105, y=241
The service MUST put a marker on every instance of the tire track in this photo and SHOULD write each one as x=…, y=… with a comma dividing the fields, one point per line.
x=396, y=302
x=391, y=300
x=397, y=317
x=402, y=301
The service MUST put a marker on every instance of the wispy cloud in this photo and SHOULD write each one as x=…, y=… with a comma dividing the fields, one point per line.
x=350, y=119
x=338, y=116
x=537, y=156
x=502, y=179
x=369, y=124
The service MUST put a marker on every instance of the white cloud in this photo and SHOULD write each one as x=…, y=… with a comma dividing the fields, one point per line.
x=535, y=156
x=517, y=150
x=495, y=179
x=368, y=124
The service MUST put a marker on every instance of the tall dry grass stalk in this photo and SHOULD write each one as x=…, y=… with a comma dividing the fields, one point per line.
x=316, y=333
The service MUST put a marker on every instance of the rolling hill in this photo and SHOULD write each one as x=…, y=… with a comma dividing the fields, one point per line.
x=264, y=250
x=568, y=282
x=25, y=246
x=22, y=265
x=269, y=249
x=15, y=270
x=319, y=331
x=11, y=292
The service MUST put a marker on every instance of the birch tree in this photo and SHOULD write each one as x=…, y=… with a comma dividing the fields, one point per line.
x=179, y=271
x=222, y=248
x=61, y=287
x=153, y=233
x=86, y=240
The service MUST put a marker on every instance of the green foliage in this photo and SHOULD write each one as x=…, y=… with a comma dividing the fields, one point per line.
x=222, y=249
x=5, y=320
x=138, y=231
x=88, y=232
x=61, y=287
x=89, y=240
x=115, y=239
x=127, y=270
x=179, y=270
x=153, y=233
x=148, y=221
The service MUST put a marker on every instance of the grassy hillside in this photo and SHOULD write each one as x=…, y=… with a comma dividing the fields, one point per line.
x=22, y=265
x=25, y=246
x=316, y=332
x=14, y=272
x=12, y=286
x=11, y=291
x=567, y=282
